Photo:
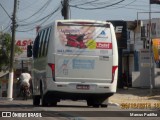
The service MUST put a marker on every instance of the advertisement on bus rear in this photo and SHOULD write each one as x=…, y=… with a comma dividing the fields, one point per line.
x=83, y=38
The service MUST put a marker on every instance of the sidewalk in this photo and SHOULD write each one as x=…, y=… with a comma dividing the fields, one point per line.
x=137, y=97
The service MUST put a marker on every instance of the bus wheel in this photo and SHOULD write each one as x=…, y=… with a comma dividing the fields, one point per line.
x=97, y=102
x=92, y=103
x=89, y=103
x=96, y=105
x=53, y=103
x=104, y=105
x=44, y=102
x=36, y=100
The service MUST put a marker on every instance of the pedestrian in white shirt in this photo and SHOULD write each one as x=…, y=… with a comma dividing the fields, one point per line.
x=24, y=81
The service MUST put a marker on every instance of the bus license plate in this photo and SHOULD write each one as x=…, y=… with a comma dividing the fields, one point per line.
x=83, y=87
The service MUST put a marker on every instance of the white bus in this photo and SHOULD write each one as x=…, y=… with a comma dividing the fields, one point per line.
x=77, y=60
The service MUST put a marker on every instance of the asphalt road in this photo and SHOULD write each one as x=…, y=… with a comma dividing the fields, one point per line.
x=69, y=110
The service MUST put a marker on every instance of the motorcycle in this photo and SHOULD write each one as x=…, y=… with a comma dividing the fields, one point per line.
x=24, y=89
x=25, y=92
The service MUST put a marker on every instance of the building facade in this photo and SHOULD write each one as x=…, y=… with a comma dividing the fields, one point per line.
x=145, y=69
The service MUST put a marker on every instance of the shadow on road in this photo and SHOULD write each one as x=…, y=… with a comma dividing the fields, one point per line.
x=18, y=103
x=15, y=106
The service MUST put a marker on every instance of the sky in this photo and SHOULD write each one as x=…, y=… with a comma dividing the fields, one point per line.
x=31, y=13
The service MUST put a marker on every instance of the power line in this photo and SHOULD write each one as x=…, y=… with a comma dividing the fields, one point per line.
x=29, y=4
x=44, y=18
x=5, y=11
x=27, y=24
x=96, y=4
x=89, y=2
x=125, y=5
x=97, y=7
x=101, y=3
x=43, y=7
x=6, y=27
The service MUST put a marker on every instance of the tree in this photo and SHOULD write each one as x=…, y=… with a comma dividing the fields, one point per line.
x=5, y=48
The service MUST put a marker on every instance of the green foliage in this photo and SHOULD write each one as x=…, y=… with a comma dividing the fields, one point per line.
x=5, y=49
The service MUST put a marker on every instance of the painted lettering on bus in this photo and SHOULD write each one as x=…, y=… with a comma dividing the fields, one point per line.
x=103, y=45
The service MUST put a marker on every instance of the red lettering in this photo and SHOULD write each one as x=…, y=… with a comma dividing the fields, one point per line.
x=24, y=43
x=18, y=43
x=102, y=45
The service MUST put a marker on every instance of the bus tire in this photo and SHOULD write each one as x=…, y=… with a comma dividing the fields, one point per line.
x=89, y=103
x=44, y=102
x=98, y=102
x=36, y=100
x=96, y=105
x=92, y=103
x=104, y=105
x=53, y=103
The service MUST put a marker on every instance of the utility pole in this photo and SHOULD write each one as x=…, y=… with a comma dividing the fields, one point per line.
x=65, y=9
x=150, y=50
x=11, y=70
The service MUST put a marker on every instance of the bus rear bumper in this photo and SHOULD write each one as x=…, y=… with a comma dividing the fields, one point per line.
x=57, y=95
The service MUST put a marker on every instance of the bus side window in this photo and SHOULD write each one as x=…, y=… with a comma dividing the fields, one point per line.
x=41, y=39
x=47, y=41
x=36, y=47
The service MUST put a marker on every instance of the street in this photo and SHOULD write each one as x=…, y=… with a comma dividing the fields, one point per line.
x=22, y=105
x=68, y=110
x=93, y=52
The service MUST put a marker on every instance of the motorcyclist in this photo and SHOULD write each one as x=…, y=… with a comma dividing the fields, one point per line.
x=23, y=80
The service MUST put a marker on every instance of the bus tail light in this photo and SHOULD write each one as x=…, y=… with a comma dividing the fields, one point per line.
x=113, y=72
x=52, y=66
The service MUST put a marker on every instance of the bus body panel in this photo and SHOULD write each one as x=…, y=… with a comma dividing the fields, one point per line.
x=75, y=67
x=83, y=68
